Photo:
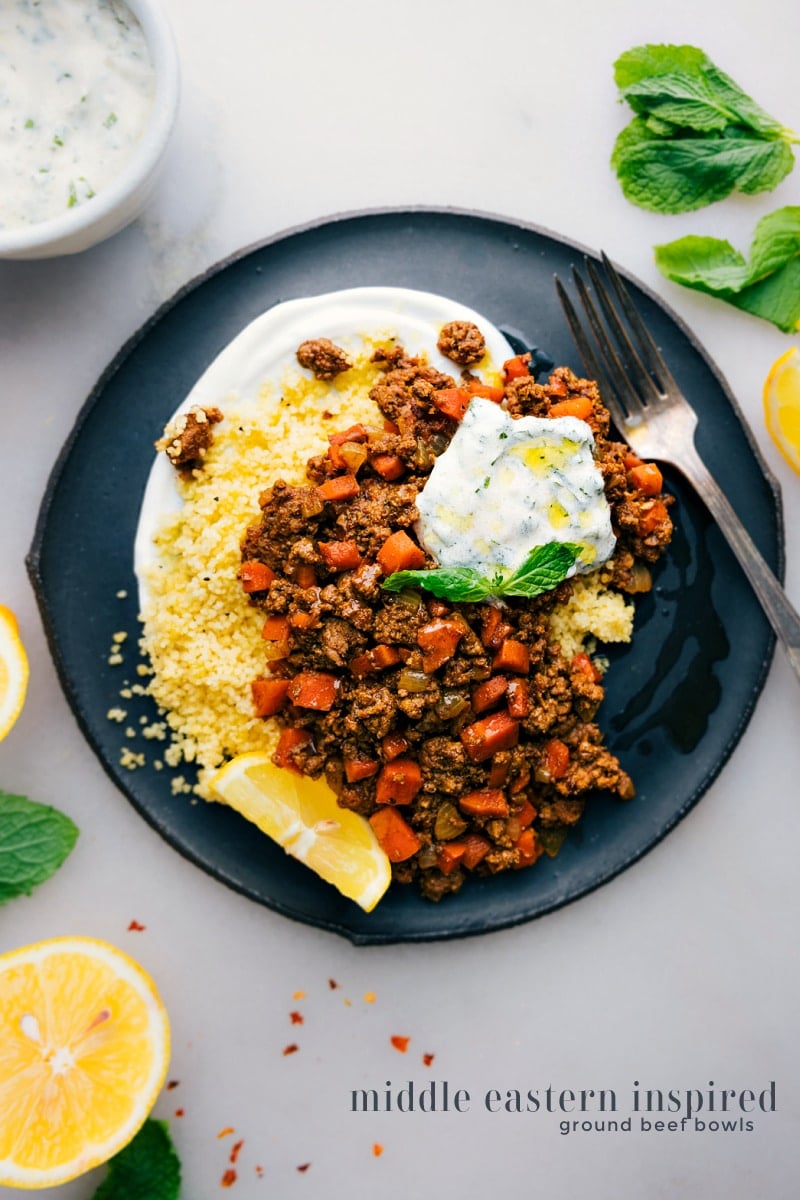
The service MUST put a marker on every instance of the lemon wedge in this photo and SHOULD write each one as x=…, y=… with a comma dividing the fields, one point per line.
x=83, y=1054
x=301, y=814
x=13, y=671
x=782, y=405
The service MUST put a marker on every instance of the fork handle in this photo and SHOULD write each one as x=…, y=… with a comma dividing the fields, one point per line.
x=781, y=615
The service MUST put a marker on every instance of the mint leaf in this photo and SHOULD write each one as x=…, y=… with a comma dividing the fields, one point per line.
x=767, y=285
x=146, y=1169
x=34, y=841
x=696, y=135
x=543, y=569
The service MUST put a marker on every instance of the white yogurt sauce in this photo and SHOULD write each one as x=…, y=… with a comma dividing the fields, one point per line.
x=505, y=485
x=76, y=89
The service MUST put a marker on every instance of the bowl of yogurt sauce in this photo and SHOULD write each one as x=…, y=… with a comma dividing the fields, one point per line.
x=88, y=98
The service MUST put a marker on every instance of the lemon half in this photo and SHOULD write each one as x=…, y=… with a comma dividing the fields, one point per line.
x=782, y=406
x=13, y=671
x=302, y=816
x=84, y=1050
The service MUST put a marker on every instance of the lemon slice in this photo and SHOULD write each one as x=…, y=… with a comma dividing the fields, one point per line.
x=782, y=405
x=13, y=671
x=83, y=1054
x=302, y=816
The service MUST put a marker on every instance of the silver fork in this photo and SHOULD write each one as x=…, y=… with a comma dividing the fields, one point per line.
x=658, y=422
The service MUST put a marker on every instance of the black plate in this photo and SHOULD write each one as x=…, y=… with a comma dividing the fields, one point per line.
x=678, y=698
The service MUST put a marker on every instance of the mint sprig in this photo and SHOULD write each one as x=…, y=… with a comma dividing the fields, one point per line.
x=146, y=1169
x=34, y=841
x=696, y=135
x=543, y=569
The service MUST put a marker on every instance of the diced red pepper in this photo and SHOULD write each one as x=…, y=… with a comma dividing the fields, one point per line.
x=653, y=516
x=582, y=662
x=399, y=553
x=556, y=758
x=529, y=848
x=276, y=629
x=512, y=656
x=399, y=781
x=388, y=466
x=356, y=433
x=314, y=689
x=498, y=772
x=356, y=769
x=269, y=696
x=486, y=390
x=520, y=782
x=289, y=741
x=453, y=402
x=438, y=641
x=304, y=575
x=489, y=693
x=336, y=458
x=339, y=487
x=519, y=698
x=450, y=856
x=383, y=657
x=574, y=406
x=475, y=850
x=484, y=738
x=647, y=479
x=340, y=556
x=361, y=665
x=393, y=745
x=526, y=815
x=256, y=576
x=517, y=367
x=396, y=837
x=485, y=802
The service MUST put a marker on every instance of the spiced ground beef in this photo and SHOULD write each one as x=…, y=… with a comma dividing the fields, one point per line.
x=460, y=730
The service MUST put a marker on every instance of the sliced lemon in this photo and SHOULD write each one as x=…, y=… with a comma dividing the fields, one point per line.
x=782, y=405
x=13, y=671
x=302, y=816
x=83, y=1054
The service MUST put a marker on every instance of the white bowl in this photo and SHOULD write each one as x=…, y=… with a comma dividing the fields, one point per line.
x=116, y=205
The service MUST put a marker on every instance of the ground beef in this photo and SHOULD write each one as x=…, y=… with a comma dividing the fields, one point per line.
x=187, y=438
x=462, y=342
x=323, y=358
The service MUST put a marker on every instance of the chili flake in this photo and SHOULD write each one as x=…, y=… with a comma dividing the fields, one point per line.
x=296, y=1018
x=299, y=995
x=304, y=1166
x=332, y=984
x=427, y=1059
x=235, y=1149
x=136, y=927
x=377, y=1149
x=400, y=1043
x=173, y=1083
x=292, y=1048
x=226, y=1132
x=179, y=1112
x=228, y=1179
x=369, y=997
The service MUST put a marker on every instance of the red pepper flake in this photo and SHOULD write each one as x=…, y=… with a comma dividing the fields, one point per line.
x=299, y=995
x=228, y=1179
x=292, y=1048
x=258, y=1170
x=226, y=1132
x=427, y=1059
x=136, y=927
x=304, y=1166
x=400, y=1043
x=173, y=1083
x=332, y=984
x=377, y=1149
x=296, y=1018
x=235, y=1149
x=179, y=1112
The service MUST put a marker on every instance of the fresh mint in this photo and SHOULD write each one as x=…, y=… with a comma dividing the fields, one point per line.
x=766, y=284
x=34, y=841
x=147, y=1169
x=543, y=569
x=696, y=136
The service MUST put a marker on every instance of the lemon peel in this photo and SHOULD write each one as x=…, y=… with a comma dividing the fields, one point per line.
x=14, y=671
x=782, y=405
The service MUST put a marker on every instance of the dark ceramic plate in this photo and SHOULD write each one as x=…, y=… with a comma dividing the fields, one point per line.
x=678, y=698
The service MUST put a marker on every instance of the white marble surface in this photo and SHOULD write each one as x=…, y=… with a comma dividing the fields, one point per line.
x=681, y=971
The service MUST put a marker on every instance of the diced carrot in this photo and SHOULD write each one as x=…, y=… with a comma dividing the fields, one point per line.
x=340, y=556
x=512, y=656
x=356, y=769
x=396, y=837
x=526, y=815
x=574, y=406
x=484, y=738
x=314, y=689
x=487, y=694
x=582, y=662
x=388, y=466
x=356, y=433
x=361, y=665
x=450, y=856
x=517, y=367
x=303, y=620
x=339, y=487
x=336, y=458
x=453, y=402
x=256, y=576
x=399, y=553
x=647, y=479
x=519, y=698
x=276, y=629
x=653, y=516
x=556, y=758
x=493, y=628
x=384, y=656
x=304, y=575
x=520, y=782
x=390, y=426
x=438, y=641
x=476, y=849
x=269, y=696
x=529, y=848
x=399, y=781
x=485, y=802
x=289, y=741
x=486, y=390
x=498, y=772
x=393, y=745
x=632, y=460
